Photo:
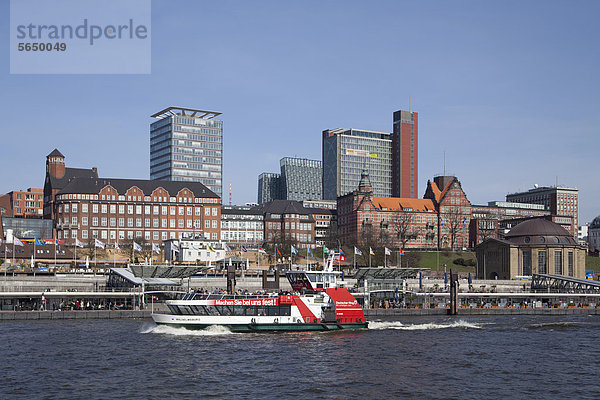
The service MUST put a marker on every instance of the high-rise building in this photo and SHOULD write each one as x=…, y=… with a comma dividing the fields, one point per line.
x=405, y=145
x=301, y=178
x=562, y=202
x=390, y=158
x=347, y=152
x=269, y=187
x=187, y=145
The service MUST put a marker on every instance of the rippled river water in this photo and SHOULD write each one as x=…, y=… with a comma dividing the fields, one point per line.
x=413, y=357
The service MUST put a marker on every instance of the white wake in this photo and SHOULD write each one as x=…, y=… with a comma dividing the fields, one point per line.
x=381, y=325
x=213, y=330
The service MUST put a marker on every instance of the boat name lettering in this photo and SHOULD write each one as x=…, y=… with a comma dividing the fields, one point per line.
x=246, y=302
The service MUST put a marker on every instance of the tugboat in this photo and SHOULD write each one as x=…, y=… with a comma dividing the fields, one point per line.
x=320, y=303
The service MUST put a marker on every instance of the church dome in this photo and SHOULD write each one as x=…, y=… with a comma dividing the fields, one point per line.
x=595, y=223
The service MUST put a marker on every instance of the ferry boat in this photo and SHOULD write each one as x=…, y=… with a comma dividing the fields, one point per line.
x=320, y=303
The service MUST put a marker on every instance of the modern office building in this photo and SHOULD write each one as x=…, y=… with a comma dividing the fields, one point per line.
x=405, y=159
x=187, y=145
x=27, y=203
x=391, y=159
x=269, y=187
x=347, y=152
x=560, y=201
x=300, y=179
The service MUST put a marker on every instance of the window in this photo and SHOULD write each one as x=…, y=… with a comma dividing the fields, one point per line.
x=172, y=223
x=214, y=223
x=527, y=263
x=84, y=234
x=155, y=223
x=207, y=211
x=129, y=209
x=189, y=211
x=155, y=210
x=74, y=220
x=138, y=209
x=172, y=210
x=84, y=208
x=181, y=211
x=121, y=209
x=155, y=235
x=104, y=210
x=570, y=263
x=66, y=208
x=121, y=222
x=74, y=208
x=84, y=221
x=164, y=223
x=558, y=262
x=130, y=222
x=207, y=224
x=94, y=221
x=113, y=222
x=147, y=222
x=214, y=211
x=103, y=221
x=113, y=208
x=138, y=222
x=542, y=266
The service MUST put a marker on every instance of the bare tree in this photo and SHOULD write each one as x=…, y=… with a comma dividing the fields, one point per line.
x=402, y=229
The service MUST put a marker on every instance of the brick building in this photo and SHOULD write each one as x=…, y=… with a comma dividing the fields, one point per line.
x=84, y=206
x=27, y=203
x=288, y=222
x=242, y=225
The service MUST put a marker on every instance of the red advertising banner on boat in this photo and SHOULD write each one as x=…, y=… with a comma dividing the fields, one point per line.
x=246, y=302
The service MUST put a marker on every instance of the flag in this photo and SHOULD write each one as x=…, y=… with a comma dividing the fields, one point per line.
x=77, y=243
x=371, y=252
x=175, y=246
x=388, y=252
x=261, y=250
x=39, y=242
x=227, y=248
x=137, y=247
x=17, y=241
x=441, y=221
x=464, y=221
x=117, y=247
x=59, y=241
x=244, y=249
x=155, y=248
x=401, y=252
x=294, y=250
x=98, y=243
x=357, y=251
x=0, y=240
x=209, y=248
x=342, y=252
x=325, y=250
x=309, y=252
x=277, y=251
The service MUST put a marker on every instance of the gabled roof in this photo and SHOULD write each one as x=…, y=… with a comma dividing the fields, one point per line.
x=284, y=207
x=94, y=185
x=55, y=153
x=400, y=203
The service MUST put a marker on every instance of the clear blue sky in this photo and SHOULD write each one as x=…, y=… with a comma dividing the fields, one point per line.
x=509, y=90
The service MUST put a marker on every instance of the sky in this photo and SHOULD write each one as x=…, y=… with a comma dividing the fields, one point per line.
x=508, y=91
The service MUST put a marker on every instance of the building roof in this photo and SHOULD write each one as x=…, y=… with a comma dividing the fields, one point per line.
x=71, y=174
x=55, y=153
x=94, y=185
x=400, y=203
x=539, y=231
x=595, y=223
x=284, y=207
x=185, y=112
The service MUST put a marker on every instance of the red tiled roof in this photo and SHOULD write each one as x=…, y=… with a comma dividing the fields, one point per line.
x=399, y=203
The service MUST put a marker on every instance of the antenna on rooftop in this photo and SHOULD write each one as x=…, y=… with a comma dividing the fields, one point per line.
x=230, y=194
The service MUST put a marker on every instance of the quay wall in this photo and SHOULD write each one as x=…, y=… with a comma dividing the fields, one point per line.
x=72, y=315
x=402, y=312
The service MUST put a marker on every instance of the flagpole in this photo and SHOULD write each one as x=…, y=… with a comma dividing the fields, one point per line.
x=55, y=254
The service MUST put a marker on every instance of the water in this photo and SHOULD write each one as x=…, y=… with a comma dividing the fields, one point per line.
x=413, y=357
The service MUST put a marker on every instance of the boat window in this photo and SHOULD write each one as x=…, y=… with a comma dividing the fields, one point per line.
x=239, y=310
x=261, y=311
x=212, y=310
x=225, y=310
x=174, y=310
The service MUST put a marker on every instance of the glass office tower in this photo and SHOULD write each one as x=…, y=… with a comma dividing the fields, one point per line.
x=346, y=152
x=301, y=178
x=187, y=145
x=269, y=187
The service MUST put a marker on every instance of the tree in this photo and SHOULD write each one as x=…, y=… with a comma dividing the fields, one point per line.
x=401, y=226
